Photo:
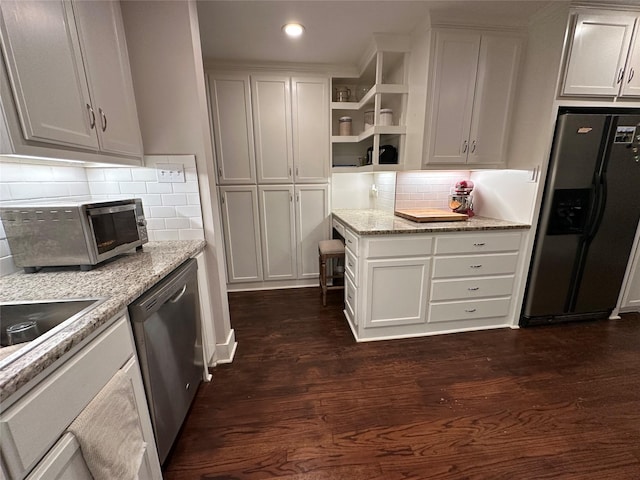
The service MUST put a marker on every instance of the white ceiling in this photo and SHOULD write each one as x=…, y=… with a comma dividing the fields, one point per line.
x=337, y=32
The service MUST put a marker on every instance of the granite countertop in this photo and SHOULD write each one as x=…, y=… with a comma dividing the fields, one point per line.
x=120, y=281
x=382, y=222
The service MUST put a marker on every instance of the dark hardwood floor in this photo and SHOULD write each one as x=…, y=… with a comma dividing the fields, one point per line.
x=303, y=400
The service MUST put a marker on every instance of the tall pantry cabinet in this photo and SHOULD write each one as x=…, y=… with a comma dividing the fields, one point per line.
x=271, y=134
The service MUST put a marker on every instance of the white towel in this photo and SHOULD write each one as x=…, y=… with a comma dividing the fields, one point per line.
x=109, y=433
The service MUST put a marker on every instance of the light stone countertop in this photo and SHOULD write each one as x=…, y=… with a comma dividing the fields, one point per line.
x=381, y=222
x=120, y=281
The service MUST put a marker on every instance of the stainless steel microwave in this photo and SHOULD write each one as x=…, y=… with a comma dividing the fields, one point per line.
x=66, y=232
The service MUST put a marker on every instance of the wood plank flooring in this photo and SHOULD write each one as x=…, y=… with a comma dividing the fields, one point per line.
x=304, y=401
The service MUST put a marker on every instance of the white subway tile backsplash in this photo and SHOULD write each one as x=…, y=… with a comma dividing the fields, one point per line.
x=191, y=234
x=193, y=199
x=95, y=174
x=133, y=187
x=196, y=223
x=162, y=212
x=159, y=187
x=187, y=187
x=426, y=189
x=109, y=188
x=11, y=172
x=7, y=266
x=78, y=189
x=166, y=235
x=189, y=211
x=156, y=223
x=69, y=174
x=177, y=223
x=117, y=174
x=4, y=248
x=174, y=199
x=143, y=175
x=151, y=200
x=190, y=174
x=5, y=193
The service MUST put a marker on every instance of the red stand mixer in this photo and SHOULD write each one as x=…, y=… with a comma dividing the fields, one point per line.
x=461, y=200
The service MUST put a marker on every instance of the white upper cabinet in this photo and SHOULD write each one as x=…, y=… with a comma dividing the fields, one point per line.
x=474, y=80
x=631, y=82
x=230, y=98
x=109, y=75
x=42, y=52
x=271, y=101
x=68, y=67
x=600, y=62
x=311, y=139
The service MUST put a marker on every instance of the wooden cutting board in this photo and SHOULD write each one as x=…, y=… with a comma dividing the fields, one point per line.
x=430, y=215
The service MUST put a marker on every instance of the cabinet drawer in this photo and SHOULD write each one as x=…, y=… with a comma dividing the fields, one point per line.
x=475, y=265
x=350, y=297
x=30, y=427
x=471, y=288
x=400, y=246
x=481, y=243
x=351, y=241
x=338, y=226
x=470, y=310
x=351, y=265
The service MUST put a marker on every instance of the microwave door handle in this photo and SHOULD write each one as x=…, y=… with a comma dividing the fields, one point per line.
x=106, y=210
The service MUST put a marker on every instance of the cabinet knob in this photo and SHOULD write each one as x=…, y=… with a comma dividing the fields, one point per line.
x=470, y=310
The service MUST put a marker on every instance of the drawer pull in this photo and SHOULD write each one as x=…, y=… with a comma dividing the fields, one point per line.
x=475, y=266
x=470, y=310
x=473, y=289
x=479, y=244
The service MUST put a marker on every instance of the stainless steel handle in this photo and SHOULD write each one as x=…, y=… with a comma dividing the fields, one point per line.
x=473, y=146
x=103, y=119
x=179, y=295
x=92, y=122
x=620, y=75
x=631, y=74
x=473, y=289
x=470, y=310
x=478, y=244
x=465, y=145
x=475, y=266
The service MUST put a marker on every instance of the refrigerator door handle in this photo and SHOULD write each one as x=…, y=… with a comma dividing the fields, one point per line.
x=599, y=206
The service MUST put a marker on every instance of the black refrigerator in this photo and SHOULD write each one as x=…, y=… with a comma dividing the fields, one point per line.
x=588, y=221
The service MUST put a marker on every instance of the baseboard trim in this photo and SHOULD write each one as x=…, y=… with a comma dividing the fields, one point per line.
x=225, y=352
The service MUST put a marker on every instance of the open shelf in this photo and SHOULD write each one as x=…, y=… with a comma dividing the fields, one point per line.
x=378, y=130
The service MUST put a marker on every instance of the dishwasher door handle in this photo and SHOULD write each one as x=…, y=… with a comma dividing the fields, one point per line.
x=178, y=295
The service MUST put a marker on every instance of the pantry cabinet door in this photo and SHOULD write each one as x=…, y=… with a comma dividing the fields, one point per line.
x=50, y=89
x=311, y=138
x=271, y=102
x=456, y=62
x=598, y=53
x=277, y=223
x=312, y=225
x=495, y=89
x=230, y=98
x=241, y=230
x=106, y=57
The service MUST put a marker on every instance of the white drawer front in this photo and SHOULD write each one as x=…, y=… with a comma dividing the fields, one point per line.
x=350, y=298
x=338, y=226
x=478, y=243
x=469, y=288
x=49, y=408
x=400, y=246
x=351, y=241
x=351, y=265
x=470, y=310
x=475, y=265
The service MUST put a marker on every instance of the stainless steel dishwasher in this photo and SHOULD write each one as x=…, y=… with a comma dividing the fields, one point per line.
x=166, y=326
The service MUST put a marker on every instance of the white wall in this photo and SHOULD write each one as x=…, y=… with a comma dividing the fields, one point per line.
x=351, y=190
x=504, y=194
x=385, y=196
x=163, y=39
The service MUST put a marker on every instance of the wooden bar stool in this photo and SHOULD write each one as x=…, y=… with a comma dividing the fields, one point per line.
x=327, y=250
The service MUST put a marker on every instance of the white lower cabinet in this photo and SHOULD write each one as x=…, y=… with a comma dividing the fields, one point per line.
x=422, y=284
x=241, y=231
x=35, y=443
x=272, y=231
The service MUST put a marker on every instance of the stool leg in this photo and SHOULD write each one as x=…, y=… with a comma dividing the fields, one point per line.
x=323, y=279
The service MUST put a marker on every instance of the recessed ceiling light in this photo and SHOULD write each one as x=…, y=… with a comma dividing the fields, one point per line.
x=293, y=29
